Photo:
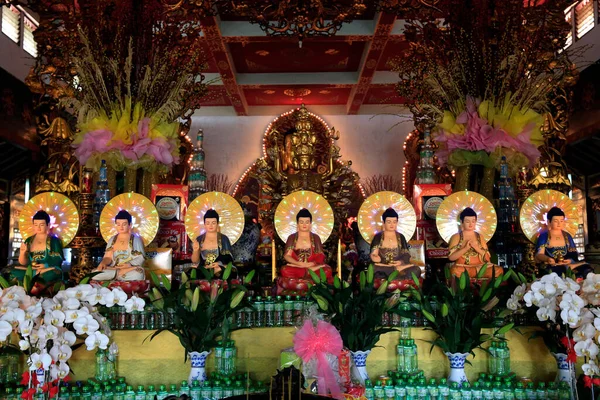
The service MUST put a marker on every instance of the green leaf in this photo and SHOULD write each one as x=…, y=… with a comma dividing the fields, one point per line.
x=193, y=274
x=158, y=300
x=463, y=280
x=154, y=279
x=393, y=276
x=415, y=279
x=336, y=282
x=323, y=304
x=227, y=272
x=382, y=288
x=482, y=270
x=445, y=310
x=249, y=277
x=4, y=283
x=522, y=277
x=195, y=298
x=314, y=276
x=370, y=273
x=428, y=315
x=486, y=295
x=505, y=329
x=236, y=299
x=84, y=280
x=166, y=282
x=322, y=275
x=447, y=273
x=363, y=280
x=184, y=278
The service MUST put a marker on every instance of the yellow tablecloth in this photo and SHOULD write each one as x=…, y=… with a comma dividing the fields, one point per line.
x=160, y=361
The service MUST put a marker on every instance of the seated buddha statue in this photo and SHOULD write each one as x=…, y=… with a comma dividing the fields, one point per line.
x=43, y=251
x=390, y=250
x=556, y=249
x=468, y=250
x=304, y=250
x=124, y=256
x=212, y=249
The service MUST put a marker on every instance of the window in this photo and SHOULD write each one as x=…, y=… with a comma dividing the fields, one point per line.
x=29, y=44
x=569, y=19
x=11, y=18
x=584, y=17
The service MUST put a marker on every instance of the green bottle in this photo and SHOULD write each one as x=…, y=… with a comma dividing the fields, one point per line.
x=195, y=391
x=378, y=391
x=151, y=394
x=421, y=389
x=227, y=389
x=238, y=389
x=259, y=306
x=509, y=393
x=63, y=394
x=288, y=311
x=520, y=392
x=564, y=391
x=162, y=392
x=400, y=390
x=530, y=391
x=454, y=391
x=217, y=391
x=411, y=390
x=476, y=393
x=75, y=395
x=119, y=392
x=488, y=393
x=141, y=393
x=184, y=389
x=389, y=391
x=172, y=390
x=369, y=391
x=465, y=391
x=108, y=393
x=129, y=393
x=553, y=391
x=400, y=356
x=86, y=393
x=444, y=390
x=269, y=312
x=97, y=393
x=433, y=389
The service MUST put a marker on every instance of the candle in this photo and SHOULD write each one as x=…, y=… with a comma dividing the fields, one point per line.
x=273, y=260
x=339, y=259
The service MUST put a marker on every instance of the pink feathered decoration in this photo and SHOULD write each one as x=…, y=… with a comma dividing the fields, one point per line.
x=311, y=342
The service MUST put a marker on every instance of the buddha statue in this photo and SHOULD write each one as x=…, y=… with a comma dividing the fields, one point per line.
x=468, y=250
x=390, y=250
x=212, y=249
x=555, y=247
x=124, y=256
x=42, y=251
x=304, y=250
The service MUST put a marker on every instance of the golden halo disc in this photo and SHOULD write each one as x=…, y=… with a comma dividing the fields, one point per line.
x=231, y=215
x=64, y=217
x=322, y=214
x=448, y=214
x=533, y=213
x=370, y=212
x=144, y=217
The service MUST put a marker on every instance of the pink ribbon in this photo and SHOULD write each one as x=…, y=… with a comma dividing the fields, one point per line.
x=315, y=342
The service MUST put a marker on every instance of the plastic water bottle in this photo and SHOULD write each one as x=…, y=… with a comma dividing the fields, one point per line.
x=269, y=312
x=390, y=393
x=206, y=391
x=520, y=393
x=97, y=393
x=63, y=394
x=195, y=391
x=530, y=391
x=497, y=390
x=288, y=311
x=488, y=394
x=378, y=391
x=400, y=356
x=540, y=392
x=465, y=391
x=564, y=391
x=432, y=389
x=162, y=392
x=454, y=391
x=279, y=311
x=410, y=356
x=422, y=391
x=369, y=391
x=504, y=359
x=400, y=390
x=508, y=391
x=259, y=306
x=141, y=393
x=298, y=309
x=129, y=393
x=238, y=389
x=184, y=389
x=493, y=358
x=411, y=390
x=217, y=391
x=151, y=393
x=476, y=392
x=444, y=392
x=227, y=389
x=503, y=168
x=552, y=391
x=249, y=315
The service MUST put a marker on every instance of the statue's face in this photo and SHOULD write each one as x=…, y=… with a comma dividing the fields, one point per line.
x=390, y=224
x=469, y=223
x=40, y=226
x=557, y=223
x=211, y=224
x=123, y=226
x=304, y=224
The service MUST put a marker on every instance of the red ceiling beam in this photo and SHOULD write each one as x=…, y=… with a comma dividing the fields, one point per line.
x=221, y=55
x=385, y=23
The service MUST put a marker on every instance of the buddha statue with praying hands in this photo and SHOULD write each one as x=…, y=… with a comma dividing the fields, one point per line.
x=468, y=250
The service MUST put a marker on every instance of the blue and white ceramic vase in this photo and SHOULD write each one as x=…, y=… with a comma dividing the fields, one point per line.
x=198, y=371
x=359, y=359
x=457, y=367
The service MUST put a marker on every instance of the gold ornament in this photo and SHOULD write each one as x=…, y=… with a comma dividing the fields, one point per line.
x=231, y=215
x=448, y=214
x=322, y=214
x=369, y=214
x=534, y=210
x=64, y=217
x=143, y=214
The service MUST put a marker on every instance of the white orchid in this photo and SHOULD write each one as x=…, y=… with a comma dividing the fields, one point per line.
x=5, y=330
x=48, y=332
x=570, y=301
x=571, y=285
x=545, y=314
x=513, y=303
x=570, y=317
x=24, y=345
x=25, y=327
x=37, y=361
x=586, y=348
x=96, y=339
x=51, y=304
x=134, y=304
x=54, y=317
x=590, y=368
x=59, y=370
x=520, y=291
x=120, y=296
x=584, y=332
x=85, y=325
x=72, y=315
x=71, y=303
x=61, y=352
x=14, y=315
x=34, y=311
x=13, y=293
x=68, y=338
x=79, y=292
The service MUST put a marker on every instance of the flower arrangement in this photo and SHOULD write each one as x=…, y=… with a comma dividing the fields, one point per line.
x=460, y=305
x=569, y=312
x=200, y=316
x=49, y=328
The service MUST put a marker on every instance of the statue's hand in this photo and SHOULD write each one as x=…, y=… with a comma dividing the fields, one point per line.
x=551, y=261
x=195, y=246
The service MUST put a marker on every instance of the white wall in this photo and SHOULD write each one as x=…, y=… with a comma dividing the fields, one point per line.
x=373, y=143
